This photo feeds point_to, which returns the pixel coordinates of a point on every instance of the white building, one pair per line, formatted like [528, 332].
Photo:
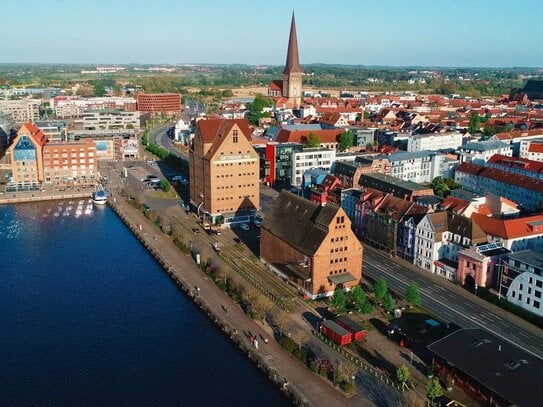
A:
[108, 119]
[421, 166]
[532, 149]
[434, 141]
[23, 111]
[438, 239]
[71, 107]
[480, 152]
[522, 280]
[310, 158]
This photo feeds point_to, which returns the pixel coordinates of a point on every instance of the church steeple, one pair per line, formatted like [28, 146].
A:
[293, 62]
[292, 74]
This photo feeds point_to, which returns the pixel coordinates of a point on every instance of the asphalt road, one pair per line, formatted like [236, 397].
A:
[443, 299]
[439, 296]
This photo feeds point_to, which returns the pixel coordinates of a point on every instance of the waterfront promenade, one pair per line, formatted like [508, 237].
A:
[298, 382]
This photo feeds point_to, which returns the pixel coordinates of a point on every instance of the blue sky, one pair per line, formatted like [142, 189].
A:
[476, 33]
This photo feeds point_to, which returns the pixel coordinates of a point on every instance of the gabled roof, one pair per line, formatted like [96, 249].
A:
[211, 129]
[276, 85]
[393, 207]
[510, 228]
[455, 205]
[35, 133]
[459, 225]
[299, 222]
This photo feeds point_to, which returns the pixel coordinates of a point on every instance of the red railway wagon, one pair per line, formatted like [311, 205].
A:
[336, 333]
[358, 333]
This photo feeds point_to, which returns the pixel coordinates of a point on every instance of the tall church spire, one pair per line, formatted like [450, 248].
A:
[293, 62]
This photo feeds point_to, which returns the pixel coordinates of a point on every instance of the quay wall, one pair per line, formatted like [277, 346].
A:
[279, 378]
[10, 198]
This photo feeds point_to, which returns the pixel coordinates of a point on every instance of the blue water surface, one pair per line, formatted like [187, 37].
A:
[88, 318]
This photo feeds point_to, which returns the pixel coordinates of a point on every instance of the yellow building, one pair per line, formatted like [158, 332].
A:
[223, 172]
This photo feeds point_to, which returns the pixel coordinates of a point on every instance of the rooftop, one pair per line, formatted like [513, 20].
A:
[502, 368]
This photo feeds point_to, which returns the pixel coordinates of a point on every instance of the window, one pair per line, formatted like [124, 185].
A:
[235, 136]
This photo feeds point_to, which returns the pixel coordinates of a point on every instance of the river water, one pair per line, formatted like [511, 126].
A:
[88, 318]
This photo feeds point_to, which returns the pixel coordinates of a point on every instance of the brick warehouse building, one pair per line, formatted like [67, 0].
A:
[312, 245]
[167, 103]
[224, 171]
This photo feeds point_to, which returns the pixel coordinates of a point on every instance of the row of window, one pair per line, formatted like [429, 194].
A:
[340, 260]
[332, 272]
[339, 249]
[339, 239]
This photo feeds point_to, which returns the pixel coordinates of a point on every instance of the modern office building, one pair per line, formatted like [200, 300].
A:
[156, 103]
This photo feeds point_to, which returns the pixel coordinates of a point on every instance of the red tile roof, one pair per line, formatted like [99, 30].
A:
[455, 205]
[522, 163]
[210, 129]
[506, 177]
[35, 133]
[509, 228]
[299, 136]
[535, 148]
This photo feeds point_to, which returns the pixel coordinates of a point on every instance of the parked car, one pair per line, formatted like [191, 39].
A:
[257, 223]
[244, 226]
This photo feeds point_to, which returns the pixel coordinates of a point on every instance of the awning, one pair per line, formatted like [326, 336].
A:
[341, 278]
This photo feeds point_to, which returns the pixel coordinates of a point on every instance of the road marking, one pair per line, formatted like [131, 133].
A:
[470, 318]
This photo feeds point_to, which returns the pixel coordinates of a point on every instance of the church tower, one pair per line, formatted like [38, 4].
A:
[292, 75]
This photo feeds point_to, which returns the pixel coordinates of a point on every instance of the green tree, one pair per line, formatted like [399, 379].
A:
[357, 297]
[474, 123]
[99, 89]
[403, 376]
[165, 185]
[339, 300]
[412, 294]
[345, 140]
[433, 389]
[312, 141]
[440, 187]
[257, 106]
[367, 308]
[388, 302]
[380, 289]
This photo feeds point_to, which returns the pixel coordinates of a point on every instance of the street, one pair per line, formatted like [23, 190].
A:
[452, 303]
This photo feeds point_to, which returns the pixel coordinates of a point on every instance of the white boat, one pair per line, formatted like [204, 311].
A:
[99, 197]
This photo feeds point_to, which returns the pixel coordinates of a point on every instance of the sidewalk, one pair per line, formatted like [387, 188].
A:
[296, 379]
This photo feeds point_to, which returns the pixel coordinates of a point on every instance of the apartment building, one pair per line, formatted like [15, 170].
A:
[73, 163]
[521, 280]
[479, 152]
[23, 110]
[527, 191]
[435, 141]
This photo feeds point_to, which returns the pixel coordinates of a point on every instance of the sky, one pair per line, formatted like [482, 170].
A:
[447, 33]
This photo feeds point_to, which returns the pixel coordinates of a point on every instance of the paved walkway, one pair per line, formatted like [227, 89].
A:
[315, 391]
